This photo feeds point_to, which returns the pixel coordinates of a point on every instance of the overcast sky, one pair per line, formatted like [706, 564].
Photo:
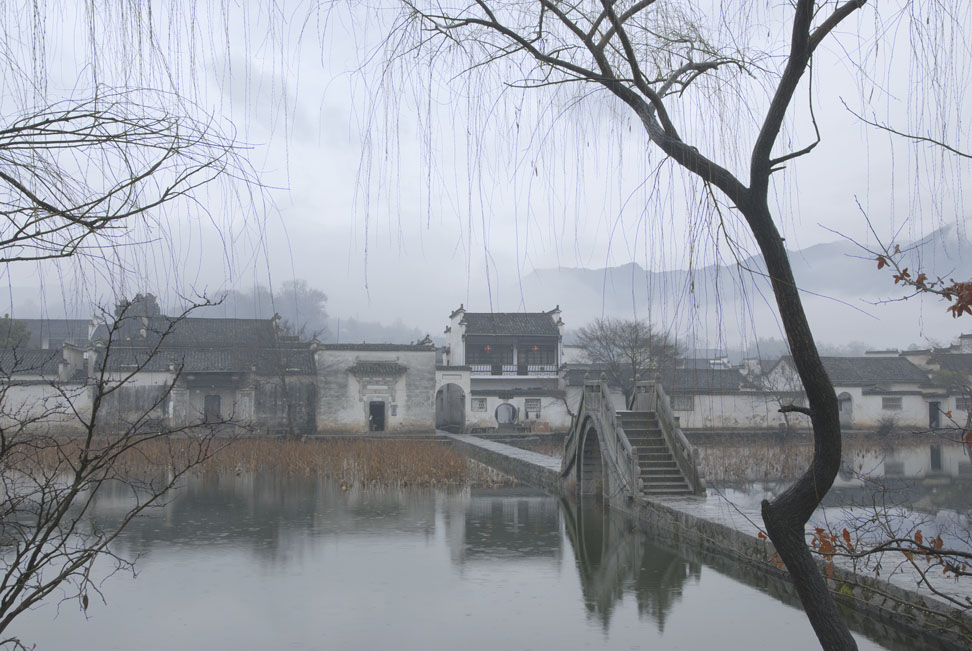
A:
[404, 195]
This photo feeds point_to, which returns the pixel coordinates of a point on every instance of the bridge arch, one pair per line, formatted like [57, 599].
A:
[590, 469]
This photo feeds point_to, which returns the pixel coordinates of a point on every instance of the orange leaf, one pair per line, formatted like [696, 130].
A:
[846, 536]
[761, 535]
[830, 570]
[918, 537]
[882, 263]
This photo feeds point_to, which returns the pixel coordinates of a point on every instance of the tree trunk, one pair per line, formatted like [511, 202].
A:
[786, 516]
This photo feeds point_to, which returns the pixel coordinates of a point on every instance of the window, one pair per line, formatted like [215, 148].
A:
[479, 404]
[683, 402]
[891, 403]
[537, 353]
[394, 410]
[532, 407]
[963, 403]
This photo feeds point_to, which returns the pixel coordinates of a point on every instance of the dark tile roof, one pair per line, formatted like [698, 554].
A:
[863, 371]
[30, 361]
[265, 361]
[702, 380]
[537, 392]
[957, 362]
[377, 369]
[531, 324]
[379, 347]
[575, 374]
[192, 332]
[56, 331]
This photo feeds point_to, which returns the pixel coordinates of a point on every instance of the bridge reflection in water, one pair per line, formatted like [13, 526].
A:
[614, 557]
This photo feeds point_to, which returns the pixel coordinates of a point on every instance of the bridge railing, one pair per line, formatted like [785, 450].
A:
[570, 443]
[651, 396]
[616, 449]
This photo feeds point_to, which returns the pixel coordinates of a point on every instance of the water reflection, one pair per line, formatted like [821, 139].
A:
[510, 524]
[614, 556]
[278, 561]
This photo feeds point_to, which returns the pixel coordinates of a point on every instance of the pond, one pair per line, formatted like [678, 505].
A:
[277, 562]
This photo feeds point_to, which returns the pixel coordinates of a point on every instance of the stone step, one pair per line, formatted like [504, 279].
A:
[663, 475]
[644, 457]
[663, 478]
[657, 463]
[652, 450]
[651, 490]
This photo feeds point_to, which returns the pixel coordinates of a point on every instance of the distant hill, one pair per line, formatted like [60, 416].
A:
[845, 295]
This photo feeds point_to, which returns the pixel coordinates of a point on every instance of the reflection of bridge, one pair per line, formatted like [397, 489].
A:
[613, 555]
[640, 451]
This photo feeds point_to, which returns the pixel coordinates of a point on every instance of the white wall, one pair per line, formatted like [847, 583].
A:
[343, 399]
[554, 415]
[46, 404]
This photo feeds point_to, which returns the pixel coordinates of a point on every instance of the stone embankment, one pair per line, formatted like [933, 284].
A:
[899, 599]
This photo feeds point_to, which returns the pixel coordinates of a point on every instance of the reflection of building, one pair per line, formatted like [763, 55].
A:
[505, 370]
[512, 524]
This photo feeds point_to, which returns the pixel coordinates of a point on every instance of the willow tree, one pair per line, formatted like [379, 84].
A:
[663, 60]
[92, 167]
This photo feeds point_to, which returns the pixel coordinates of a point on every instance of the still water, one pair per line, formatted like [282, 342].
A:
[274, 562]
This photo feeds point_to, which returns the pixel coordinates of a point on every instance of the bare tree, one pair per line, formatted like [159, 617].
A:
[656, 58]
[628, 350]
[83, 175]
[78, 176]
[61, 445]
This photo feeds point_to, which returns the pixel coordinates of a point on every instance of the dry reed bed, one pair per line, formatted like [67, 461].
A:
[391, 462]
[771, 460]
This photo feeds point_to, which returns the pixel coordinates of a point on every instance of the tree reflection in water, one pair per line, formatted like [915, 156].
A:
[614, 556]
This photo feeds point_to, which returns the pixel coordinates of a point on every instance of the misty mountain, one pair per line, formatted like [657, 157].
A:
[846, 296]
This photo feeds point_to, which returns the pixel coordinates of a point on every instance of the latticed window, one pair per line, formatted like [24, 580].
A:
[479, 404]
[891, 403]
[532, 407]
[683, 402]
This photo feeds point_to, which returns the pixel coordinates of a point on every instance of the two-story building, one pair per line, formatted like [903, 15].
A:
[501, 370]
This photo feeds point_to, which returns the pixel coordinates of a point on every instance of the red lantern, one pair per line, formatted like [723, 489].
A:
[535, 348]
[488, 348]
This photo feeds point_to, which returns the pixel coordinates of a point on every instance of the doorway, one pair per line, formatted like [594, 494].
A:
[934, 415]
[376, 416]
[211, 409]
[506, 414]
[450, 408]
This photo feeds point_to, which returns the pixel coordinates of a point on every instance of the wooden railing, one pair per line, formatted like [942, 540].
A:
[651, 396]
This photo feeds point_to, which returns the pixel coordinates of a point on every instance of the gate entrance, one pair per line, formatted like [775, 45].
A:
[376, 416]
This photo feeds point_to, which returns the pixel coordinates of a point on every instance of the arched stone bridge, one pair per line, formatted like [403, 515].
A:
[636, 452]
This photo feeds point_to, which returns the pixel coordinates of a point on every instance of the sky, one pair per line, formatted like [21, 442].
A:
[403, 185]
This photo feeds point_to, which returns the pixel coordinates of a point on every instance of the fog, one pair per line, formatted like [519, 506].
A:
[402, 187]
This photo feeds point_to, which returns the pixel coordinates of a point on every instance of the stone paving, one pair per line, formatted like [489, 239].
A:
[543, 460]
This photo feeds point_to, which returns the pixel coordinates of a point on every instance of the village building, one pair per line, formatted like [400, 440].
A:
[52, 334]
[883, 390]
[181, 372]
[44, 386]
[501, 370]
[375, 387]
[718, 397]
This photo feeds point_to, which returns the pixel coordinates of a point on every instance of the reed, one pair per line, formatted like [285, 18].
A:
[389, 462]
